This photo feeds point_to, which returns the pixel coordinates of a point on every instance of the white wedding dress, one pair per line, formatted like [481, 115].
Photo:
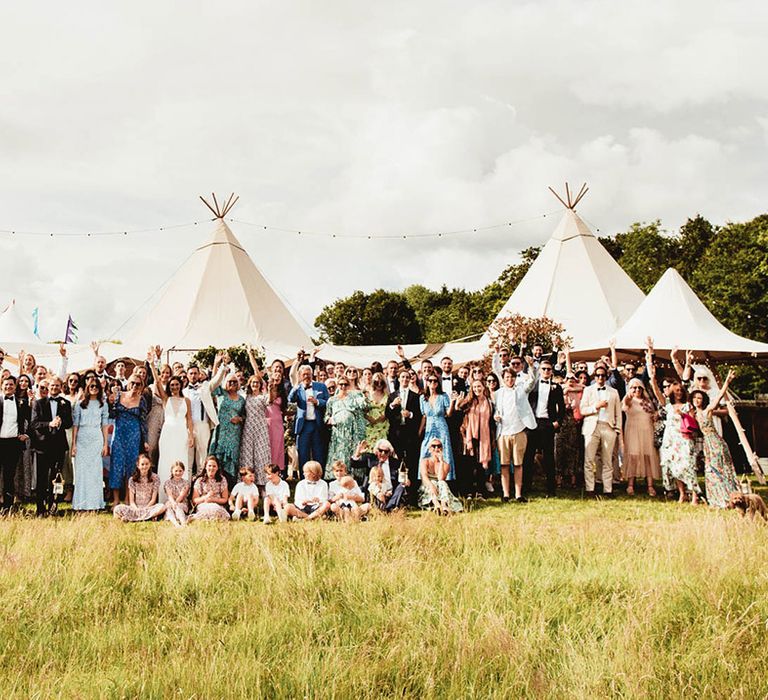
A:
[173, 446]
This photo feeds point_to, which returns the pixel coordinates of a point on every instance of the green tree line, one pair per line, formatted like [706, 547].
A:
[727, 267]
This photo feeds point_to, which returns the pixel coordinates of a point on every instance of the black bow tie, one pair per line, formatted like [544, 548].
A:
[8, 398]
[601, 388]
[545, 381]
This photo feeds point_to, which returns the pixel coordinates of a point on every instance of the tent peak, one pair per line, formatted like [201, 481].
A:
[220, 210]
[570, 200]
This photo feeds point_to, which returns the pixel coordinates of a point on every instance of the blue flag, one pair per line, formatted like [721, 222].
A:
[36, 320]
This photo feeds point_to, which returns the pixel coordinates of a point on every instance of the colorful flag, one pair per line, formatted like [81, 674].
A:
[36, 320]
[70, 336]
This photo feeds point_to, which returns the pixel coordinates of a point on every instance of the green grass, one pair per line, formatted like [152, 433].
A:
[559, 598]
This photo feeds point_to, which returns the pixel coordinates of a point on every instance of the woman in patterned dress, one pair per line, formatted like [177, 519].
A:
[435, 408]
[254, 448]
[568, 439]
[719, 474]
[226, 440]
[211, 493]
[26, 468]
[376, 404]
[129, 409]
[143, 492]
[156, 415]
[90, 444]
[344, 413]
[678, 462]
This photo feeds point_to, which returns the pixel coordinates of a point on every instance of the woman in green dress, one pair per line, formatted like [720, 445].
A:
[226, 440]
[377, 424]
[344, 414]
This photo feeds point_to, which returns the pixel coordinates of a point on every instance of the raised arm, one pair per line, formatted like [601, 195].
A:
[252, 360]
[688, 369]
[654, 385]
[155, 375]
[723, 391]
[676, 361]
[218, 371]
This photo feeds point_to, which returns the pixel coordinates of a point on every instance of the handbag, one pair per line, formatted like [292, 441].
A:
[689, 426]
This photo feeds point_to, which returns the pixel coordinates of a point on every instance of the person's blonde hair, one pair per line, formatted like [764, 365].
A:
[378, 472]
[338, 464]
[314, 468]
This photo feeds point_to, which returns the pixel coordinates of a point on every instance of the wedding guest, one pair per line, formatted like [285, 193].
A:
[478, 431]
[143, 491]
[90, 444]
[276, 495]
[130, 436]
[310, 399]
[14, 419]
[226, 440]
[211, 493]
[311, 498]
[641, 459]
[404, 415]
[176, 491]
[345, 415]
[244, 497]
[204, 415]
[434, 491]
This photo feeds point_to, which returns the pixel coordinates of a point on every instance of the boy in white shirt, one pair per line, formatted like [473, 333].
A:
[276, 494]
[311, 498]
[245, 495]
[346, 498]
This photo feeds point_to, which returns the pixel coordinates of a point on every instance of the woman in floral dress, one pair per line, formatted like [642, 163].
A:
[344, 413]
[678, 461]
[226, 440]
[377, 424]
[211, 493]
[143, 492]
[435, 408]
[568, 439]
[254, 448]
[719, 474]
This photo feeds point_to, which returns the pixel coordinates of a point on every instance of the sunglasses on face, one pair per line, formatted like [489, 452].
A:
[134, 384]
[546, 369]
[383, 451]
[600, 376]
[341, 385]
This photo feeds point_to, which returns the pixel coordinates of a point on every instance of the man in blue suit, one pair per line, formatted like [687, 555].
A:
[310, 399]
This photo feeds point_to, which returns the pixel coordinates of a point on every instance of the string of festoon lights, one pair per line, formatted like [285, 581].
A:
[14, 233]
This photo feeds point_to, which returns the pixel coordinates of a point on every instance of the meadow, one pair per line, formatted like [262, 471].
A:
[555, 599]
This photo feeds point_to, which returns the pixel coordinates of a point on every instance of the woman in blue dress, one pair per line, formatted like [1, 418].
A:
[90, 425]
[130, 410]
[226, 440]
[435, 408]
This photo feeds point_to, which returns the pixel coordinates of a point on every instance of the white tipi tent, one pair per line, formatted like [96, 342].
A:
[576, 282]
[15, 333]
[674, 316]
[219, 297]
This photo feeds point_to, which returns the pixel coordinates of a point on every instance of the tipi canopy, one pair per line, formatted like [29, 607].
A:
[576, 282]
[15, 333]
[674, 316]
[219, 297]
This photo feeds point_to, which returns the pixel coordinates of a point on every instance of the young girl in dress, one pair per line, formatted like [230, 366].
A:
[176, 491]
[211, 493]
[244, 498]
[143, 491]
[276, 495]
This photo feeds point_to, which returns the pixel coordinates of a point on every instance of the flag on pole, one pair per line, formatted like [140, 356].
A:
[70, 336]
[36, 320]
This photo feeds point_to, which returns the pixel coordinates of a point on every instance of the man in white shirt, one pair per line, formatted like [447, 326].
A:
[311, 498]
[14, 419]
[601, 408]
[513, 416]
[203, 410]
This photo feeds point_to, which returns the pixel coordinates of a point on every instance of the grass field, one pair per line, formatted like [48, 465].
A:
[558, 598]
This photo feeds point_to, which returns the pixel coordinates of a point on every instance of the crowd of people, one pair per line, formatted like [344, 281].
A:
[182, 443]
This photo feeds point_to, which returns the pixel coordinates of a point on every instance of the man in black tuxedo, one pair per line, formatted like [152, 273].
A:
[14, 419]
[452, 385]
[362, 461]
[404, 415]
[51, 417]
[546, 399]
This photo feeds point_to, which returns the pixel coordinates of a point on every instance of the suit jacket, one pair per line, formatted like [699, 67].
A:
[522, 387]
[45, 438]
[555, 402]
[368, 461]
[298, 396]
[22, 412]
[397, 431]
[206, 394]
[591, 413]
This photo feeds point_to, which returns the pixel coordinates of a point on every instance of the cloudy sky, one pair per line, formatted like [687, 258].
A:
[359, 118]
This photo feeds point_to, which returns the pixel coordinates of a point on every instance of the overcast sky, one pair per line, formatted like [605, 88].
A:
[355, 118]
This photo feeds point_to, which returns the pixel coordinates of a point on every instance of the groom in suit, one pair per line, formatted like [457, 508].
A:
[51, 417]
[548, 404]
[14, 419]
[601, 408]
[310, 399]
[404, 415]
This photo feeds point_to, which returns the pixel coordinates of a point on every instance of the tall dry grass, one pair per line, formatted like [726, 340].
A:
[554, 599]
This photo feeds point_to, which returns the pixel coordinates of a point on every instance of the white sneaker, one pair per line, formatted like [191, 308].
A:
[267, 519]
[236, 514]
[251, 516]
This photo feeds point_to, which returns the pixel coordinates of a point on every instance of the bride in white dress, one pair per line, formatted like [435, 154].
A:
[176, 435]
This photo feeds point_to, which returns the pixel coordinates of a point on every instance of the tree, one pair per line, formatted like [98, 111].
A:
[378, 318]
[646, 253]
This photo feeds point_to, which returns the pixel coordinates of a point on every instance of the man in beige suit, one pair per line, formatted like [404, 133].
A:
[204, 414]
[601, 408]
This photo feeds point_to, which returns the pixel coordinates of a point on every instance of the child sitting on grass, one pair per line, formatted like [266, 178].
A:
[276, 494]
[346, 498]
[245, 495]
[377, 490]
[143, 492]
[176, 492]
[310, 501]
